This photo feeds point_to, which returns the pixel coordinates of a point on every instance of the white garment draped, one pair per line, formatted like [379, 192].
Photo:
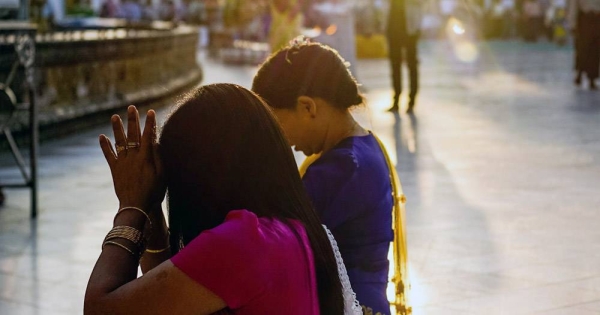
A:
[351, 306]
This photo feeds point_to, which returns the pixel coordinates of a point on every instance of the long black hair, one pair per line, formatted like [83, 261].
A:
[307, 69]
[222, 149]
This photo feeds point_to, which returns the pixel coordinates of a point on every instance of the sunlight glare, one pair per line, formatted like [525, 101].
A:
[458, 29]
[466, 51]
[331, 30]
[312, 32]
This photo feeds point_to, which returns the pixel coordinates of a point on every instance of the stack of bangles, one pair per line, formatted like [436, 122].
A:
[131, 234]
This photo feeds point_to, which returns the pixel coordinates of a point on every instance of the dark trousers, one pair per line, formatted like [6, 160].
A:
[404, 48]
[587, 44]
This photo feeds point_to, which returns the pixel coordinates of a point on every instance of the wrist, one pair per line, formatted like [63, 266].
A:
[132, 218]
[135, 204]
[158, 238]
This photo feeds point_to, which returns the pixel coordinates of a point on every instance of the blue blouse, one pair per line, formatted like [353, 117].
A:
[350, 188]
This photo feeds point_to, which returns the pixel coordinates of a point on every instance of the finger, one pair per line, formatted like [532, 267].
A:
[119, 132]
[149, 136]
[133, 125]
[107, 149]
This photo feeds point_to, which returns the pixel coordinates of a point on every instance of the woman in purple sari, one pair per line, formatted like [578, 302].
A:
[311, 90]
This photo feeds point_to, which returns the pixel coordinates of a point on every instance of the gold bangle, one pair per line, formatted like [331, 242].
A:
[136, 209]
[126, 232]
[157, 251]
[120, 245]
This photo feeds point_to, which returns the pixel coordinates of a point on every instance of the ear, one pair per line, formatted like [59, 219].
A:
[307, 105]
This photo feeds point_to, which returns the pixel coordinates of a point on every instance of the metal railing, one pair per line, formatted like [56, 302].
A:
[22, 37]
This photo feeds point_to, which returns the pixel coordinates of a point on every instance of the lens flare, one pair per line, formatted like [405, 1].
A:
[458, 29]
[462, 39]
[332, 29]
[312, 32]
[466, 52]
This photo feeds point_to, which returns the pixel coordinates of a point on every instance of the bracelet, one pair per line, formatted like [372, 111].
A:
[157, 251]
[136, 209]
[122, 246]
[126, 232]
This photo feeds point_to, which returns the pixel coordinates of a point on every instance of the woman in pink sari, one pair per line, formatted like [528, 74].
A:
[243, 237]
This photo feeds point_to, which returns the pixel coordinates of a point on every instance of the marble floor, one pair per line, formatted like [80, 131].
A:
[500, 165]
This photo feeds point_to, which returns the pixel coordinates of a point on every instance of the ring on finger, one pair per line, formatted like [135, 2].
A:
[133, 145]
[120, 148]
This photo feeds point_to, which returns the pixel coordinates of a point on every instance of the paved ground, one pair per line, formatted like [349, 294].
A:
[500, 166]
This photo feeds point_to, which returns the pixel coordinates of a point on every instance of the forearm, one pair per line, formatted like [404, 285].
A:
[115, 266]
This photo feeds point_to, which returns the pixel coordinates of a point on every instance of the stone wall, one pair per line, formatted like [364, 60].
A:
[83, 73]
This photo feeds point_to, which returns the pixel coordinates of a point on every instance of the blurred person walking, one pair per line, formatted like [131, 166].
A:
[286, 22]
[584, 20]
[403, 31]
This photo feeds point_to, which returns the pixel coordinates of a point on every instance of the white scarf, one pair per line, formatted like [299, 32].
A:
[351, 306]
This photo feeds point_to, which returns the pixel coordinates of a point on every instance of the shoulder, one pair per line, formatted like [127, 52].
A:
[342, 158]
[241, 227]
[229, 259]
[333, 171]
[236, 238]
[338, 165]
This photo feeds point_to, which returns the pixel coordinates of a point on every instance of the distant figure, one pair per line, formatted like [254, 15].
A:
[533, 20]
[447, 9]
[109, 9]
[167, 11]
[338, 33]
[403, 31]
[286, 21]
[496, 19]
[556, 19]
[149, 12]
[131, 10]
[509, 19]
[584, 20]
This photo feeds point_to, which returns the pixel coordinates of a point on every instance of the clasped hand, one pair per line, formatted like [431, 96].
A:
[134, 161]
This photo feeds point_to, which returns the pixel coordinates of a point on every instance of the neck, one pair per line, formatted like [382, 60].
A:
[341, 128]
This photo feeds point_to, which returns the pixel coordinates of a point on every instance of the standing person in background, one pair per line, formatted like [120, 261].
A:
[584, 20]
[509, 19]
[149, 12]
[403, 31]
[110, 9]
[286, 21]
[167, 10]
[496, 19]
[533, 20]
[131, 10]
